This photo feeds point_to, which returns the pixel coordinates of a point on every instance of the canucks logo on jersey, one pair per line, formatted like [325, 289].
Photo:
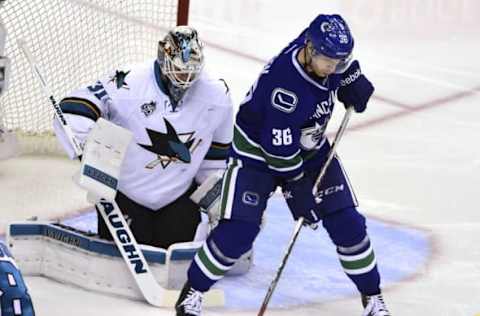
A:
[311, 136]
[169, 147]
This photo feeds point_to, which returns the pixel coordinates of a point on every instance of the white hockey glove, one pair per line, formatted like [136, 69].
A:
[208, 194]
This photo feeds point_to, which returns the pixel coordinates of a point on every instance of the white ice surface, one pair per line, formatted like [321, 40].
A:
[413, 157]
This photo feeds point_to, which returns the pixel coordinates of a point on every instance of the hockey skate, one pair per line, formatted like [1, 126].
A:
[190, 302]
[374, 306]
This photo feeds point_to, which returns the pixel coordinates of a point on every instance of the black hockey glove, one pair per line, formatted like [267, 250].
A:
[355, 89]
[300, 200]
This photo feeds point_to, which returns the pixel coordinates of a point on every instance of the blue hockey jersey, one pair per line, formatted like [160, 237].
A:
[281, 122]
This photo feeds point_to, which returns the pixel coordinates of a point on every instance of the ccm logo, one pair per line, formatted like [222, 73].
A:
[328, 191]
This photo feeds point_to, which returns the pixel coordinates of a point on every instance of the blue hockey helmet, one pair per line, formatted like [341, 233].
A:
[330, 36]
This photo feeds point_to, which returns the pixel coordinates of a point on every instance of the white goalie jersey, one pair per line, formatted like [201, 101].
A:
[172, 145]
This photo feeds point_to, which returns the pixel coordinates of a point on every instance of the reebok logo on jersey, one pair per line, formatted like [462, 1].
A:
[351, 78]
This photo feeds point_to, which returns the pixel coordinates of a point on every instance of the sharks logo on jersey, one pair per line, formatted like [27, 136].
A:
[119, 79]
[170, 147]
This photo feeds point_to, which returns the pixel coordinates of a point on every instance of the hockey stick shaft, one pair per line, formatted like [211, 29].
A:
[57, 110]
[332, 152]
[300, 221]
[274, 283]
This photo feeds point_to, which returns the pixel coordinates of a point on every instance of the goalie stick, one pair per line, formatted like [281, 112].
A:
[153, 292]
[300, 221]
[58, 111]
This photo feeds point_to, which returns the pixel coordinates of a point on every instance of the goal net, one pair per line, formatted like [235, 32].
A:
[74, 42]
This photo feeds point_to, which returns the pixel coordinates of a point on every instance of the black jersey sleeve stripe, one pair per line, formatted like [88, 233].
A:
[82, 107]
[217, 151]
[220, 145]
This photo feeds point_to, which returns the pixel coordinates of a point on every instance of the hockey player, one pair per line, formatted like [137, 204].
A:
[182, 123]
[279, 141]
[14, 297]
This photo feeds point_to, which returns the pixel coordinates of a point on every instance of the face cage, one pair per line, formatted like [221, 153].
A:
[341, 66]
[182, 75]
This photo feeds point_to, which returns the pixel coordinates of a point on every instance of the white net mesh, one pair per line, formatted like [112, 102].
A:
[74, 42]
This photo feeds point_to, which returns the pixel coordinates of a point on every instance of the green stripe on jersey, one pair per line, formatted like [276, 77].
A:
[245, 146]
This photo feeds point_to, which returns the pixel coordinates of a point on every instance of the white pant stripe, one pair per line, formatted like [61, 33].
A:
[231, 188]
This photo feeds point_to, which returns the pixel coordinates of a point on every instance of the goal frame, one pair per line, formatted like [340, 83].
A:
[33, 131]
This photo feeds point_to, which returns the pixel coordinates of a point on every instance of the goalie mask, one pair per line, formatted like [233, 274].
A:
[180, 56]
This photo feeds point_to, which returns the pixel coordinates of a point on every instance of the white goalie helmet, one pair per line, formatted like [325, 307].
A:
[180, 55]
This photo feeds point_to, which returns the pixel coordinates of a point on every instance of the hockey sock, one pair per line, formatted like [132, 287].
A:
[360, 265]
[347, 230]
[225, 244]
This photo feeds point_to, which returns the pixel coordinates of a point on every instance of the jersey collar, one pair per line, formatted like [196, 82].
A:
[158, 79]
[304, 74]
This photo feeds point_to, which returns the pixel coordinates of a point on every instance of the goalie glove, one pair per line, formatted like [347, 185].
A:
[208, 195]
